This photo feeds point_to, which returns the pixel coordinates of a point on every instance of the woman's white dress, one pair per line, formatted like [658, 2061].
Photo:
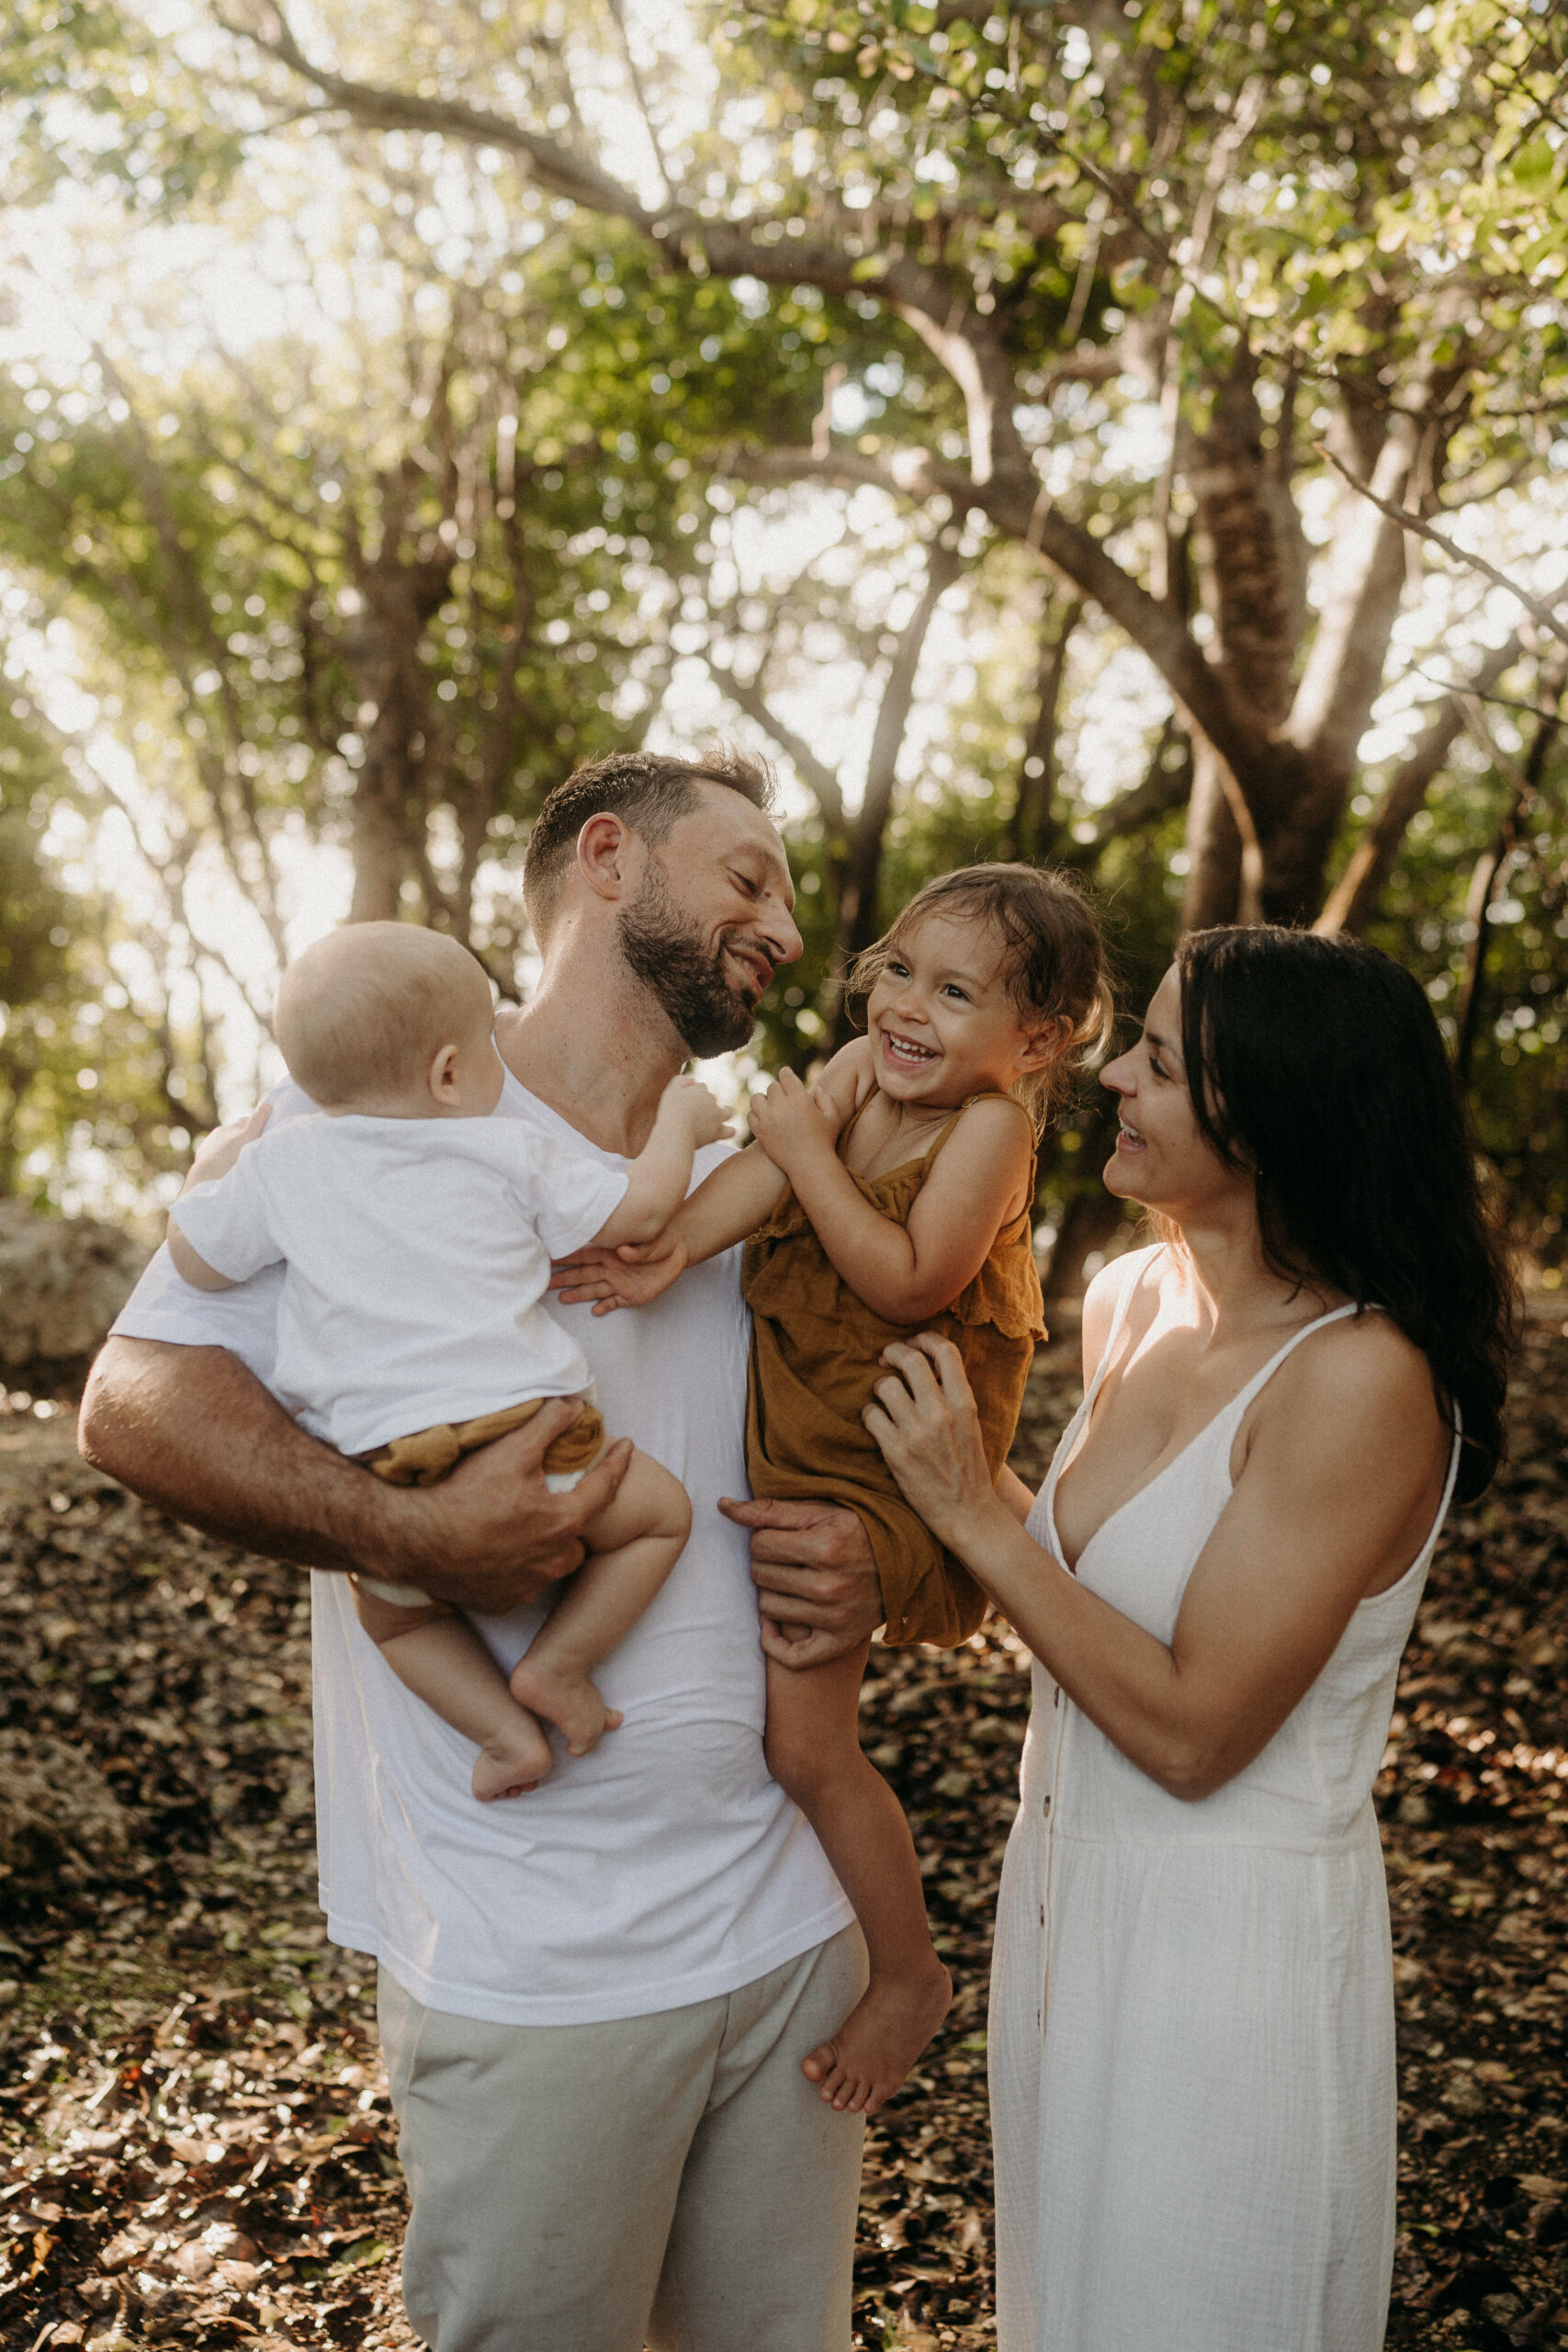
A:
[1191, 2032]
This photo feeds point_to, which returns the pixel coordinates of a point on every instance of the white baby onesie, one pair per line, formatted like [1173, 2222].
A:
[416, 1253]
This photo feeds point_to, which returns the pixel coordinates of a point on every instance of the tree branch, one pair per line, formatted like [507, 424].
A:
[1353, 902]
[1017, 508]
[555, 167]
[819, 779]
[1538, 610]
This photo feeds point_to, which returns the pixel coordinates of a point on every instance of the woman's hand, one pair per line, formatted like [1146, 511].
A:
[792, 1126]
[923, 1418]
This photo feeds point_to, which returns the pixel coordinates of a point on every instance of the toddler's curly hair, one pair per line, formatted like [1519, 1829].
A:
[1054, 960]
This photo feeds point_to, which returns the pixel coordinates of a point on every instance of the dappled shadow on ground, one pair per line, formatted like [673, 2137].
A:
[194, 2142]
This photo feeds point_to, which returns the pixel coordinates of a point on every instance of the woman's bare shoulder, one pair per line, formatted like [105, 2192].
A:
[1359, 1385]
[1135, 1269]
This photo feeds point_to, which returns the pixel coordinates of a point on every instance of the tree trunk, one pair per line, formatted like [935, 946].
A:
[1032, 832]
[1354, 897]
[859, 901]
[380, 857]
[1490, 866]
[1214, 849]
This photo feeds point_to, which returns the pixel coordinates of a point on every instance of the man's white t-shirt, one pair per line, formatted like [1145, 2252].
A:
[416, 1253]
[666, 1867]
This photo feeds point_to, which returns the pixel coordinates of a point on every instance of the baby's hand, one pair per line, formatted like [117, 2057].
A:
[687, 1099]
[790, 1124]
[628, 1276]
[216, 1152]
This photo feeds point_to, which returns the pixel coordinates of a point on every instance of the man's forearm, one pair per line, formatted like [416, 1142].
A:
[190, 1429]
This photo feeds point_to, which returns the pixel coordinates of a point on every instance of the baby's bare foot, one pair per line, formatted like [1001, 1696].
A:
[513, 1760]
[880, 2040]
[565, 1697]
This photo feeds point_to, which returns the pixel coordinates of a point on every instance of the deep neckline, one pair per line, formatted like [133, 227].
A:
[1258, 1380]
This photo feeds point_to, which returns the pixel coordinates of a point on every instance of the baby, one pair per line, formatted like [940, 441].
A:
[892, 1198]
[417, 1233]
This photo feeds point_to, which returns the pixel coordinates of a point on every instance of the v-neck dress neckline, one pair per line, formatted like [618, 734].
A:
[1077, 1429]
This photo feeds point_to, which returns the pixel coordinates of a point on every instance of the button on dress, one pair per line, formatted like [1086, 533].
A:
[1192, 2028]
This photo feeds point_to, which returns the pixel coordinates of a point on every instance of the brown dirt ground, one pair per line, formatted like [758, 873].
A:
[195, 2141]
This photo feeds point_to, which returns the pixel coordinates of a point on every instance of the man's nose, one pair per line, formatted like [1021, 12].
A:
[780, 936]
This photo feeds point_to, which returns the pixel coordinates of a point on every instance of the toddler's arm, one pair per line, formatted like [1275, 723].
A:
[221, 1206]
[688, 1117]
[728, 1205]
[742, 1195]
[903, 1273]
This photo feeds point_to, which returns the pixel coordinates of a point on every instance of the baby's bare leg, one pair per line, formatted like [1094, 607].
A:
[437, 1656]
[814, 1752]
[632, 1546]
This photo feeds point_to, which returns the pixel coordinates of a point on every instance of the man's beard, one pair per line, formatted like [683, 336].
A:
[672, 960]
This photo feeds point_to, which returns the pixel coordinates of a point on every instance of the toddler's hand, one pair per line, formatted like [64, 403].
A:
[687, 1099]
[605, 1279]
[789, 1123]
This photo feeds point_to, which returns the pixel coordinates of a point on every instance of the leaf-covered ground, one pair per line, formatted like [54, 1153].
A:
[195, 2141]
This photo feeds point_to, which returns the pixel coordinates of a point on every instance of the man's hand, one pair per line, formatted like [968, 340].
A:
[193, 1430]
[216, 1152]
[491, 1536]
[813, 1569]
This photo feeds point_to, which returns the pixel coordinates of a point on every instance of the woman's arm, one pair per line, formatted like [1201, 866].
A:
[1340, 1483]
[1013, 1495]
[903, 1273]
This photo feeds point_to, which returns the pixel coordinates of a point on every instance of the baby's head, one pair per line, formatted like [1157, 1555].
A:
[387, 1019]
[992, 977]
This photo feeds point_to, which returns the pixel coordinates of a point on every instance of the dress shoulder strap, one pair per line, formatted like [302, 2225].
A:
[990, 1094]
[852, 1122]
[1134, 1264]
[1260, 1380]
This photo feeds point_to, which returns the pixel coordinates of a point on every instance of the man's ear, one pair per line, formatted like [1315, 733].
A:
[610, 856]
[443, 1079]
[1045, 1045]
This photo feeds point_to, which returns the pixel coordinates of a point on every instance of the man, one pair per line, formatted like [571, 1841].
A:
[594, 2001]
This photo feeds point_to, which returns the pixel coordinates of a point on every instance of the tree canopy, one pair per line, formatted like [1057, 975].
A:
[1063, 430]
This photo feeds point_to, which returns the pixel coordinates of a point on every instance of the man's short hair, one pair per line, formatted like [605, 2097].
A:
[649, 791]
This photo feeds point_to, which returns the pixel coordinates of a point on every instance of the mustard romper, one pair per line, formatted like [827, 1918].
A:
[816, 1349]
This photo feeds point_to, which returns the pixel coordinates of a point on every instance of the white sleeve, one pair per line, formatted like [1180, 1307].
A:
[570, 1194]
[226, 1221]
[244, 1320]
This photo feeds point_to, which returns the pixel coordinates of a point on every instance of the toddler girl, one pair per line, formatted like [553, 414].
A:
[893, 1197]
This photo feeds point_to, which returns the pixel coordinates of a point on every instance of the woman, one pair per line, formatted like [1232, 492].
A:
[1192, 2011]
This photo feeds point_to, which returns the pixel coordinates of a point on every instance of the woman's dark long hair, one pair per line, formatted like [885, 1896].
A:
[1318, 1063]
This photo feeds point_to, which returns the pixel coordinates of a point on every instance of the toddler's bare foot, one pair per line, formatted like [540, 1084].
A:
[565, 1698]
[866, 2060]
[513, 1760]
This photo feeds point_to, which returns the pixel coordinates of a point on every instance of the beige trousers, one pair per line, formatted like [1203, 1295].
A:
[671, 2180]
